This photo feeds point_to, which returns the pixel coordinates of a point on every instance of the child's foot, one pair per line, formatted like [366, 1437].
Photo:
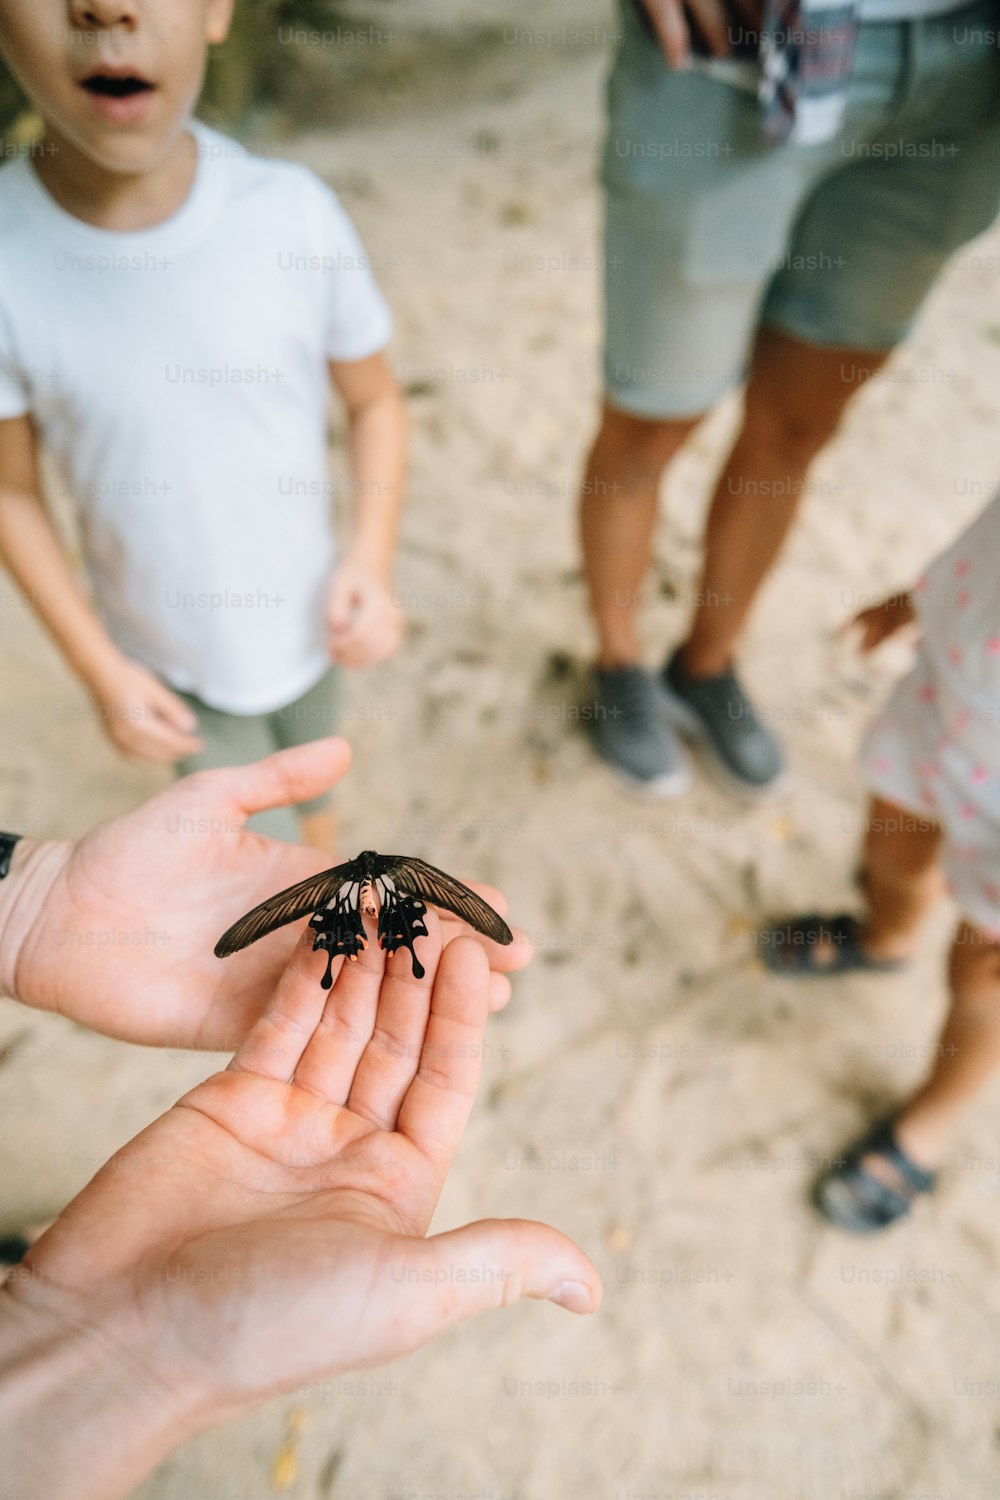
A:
[631, 735]
[874, 1185]
[812, 946]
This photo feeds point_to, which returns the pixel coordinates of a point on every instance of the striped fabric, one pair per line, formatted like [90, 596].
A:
[805, 58]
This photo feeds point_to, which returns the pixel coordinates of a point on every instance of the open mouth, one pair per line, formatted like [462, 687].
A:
[109, 86]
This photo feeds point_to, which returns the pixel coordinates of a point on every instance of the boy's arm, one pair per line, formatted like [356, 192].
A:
[136, 711]
[365, 622]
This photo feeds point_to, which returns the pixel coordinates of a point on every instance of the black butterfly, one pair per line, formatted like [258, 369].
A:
[388, 887]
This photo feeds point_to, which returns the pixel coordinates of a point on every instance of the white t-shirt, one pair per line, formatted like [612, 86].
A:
[178, 375]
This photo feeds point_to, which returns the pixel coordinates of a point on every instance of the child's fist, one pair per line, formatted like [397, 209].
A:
[365, 624]
[880, 621]
[142, 716]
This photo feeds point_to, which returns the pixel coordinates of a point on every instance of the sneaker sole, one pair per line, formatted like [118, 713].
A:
[670, 784]
[661, 788]
[686, 722]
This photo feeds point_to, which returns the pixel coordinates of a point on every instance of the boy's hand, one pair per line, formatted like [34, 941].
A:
[365, 623]
[142, 716]
[880, 621]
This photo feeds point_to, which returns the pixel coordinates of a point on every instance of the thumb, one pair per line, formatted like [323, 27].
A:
[284, 778]
[495, 1263]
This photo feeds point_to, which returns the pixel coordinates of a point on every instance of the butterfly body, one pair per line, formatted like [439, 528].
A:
[394, 890]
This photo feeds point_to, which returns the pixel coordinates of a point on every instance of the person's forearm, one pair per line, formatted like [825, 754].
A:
[377, 447]
[38, 564]
[23, 893]
[82, 1417]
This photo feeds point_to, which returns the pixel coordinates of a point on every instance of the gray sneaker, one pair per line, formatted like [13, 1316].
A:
[716, 712]
[631, 735]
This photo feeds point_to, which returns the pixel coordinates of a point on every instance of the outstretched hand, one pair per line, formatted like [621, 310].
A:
[879, 621]
[117, 930]
[270, 1229]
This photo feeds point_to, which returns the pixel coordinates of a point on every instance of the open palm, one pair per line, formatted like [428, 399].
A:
[270, 1228]
[123, 940]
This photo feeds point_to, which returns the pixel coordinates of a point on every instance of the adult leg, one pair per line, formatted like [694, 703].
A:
[618, 508]
[796, 394]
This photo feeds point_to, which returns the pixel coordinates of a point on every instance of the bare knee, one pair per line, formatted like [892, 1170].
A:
[787, 427]
[636, 450]
[796, 393]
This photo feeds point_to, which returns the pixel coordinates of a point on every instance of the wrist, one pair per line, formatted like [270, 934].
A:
[98, 666]
[82, 1414]
[371, 559]
[24, 892]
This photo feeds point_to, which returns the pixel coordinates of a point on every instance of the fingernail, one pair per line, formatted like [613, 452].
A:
[574, 1296]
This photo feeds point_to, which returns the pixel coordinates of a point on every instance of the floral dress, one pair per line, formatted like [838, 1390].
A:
[934, 750]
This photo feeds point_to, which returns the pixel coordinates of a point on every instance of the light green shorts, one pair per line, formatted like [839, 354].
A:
[237, 739]
[711, 233]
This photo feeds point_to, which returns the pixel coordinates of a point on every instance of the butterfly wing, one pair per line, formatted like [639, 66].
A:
[340, 929]
[418, 878]
[297, 901]
[400, 923]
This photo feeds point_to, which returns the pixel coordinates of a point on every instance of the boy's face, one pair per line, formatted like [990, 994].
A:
[116, 79]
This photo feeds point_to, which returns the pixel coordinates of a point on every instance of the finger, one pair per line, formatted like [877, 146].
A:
[141, 751]
[493, 1263]
[347, 1024]
[286, 777]
[670, 26]
[353, 656]
[341, 604]
[171, 709]
[276, 1042]
[853, 622]
[389, 1063]
[500, 992]
[437, 1104]
[361, 625]
[713, 23]
[158, 741]
[752, 12]
[504, 958]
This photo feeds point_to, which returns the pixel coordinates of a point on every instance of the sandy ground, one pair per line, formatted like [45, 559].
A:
[649, 1089]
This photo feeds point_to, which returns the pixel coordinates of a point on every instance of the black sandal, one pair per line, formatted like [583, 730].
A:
[792, 948]
[853, 1198]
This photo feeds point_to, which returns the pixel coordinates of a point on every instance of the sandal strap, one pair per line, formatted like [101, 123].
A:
[876, 1203]
[882, 1142]
[881, 1203]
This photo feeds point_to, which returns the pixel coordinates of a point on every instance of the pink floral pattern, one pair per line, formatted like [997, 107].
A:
[935, 748]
